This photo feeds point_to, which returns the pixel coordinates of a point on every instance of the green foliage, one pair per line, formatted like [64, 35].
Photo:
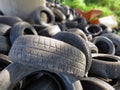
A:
[109, 7]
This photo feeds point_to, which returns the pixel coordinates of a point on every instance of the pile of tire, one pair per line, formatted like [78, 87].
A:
[63, 52]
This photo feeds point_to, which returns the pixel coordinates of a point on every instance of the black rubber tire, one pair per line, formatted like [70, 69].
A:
[19, 29]
[104, 44]
[16, 72]
[116, 41]
[78, 42]
[53, 81]
[95, 30]
[37, 18]
[9, 20]
[82, 22]
[48, 54]
[4, 61]
[4, 45]
[38, 27]
[92, 83]
[59, 16]
[62, 26]
[4, 29]
[71, 24]
[106, 66]
[105, 29]
[49, 31]
[92, 46]
[78, 32]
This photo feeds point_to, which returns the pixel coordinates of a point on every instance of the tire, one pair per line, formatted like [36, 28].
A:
[78, 32]
[92, 46]
[59, 16]
[104, 44]
[78, 42]
[4, 61]
[9, 20]
[116, 41]
[106, 66]
[49, 31]
[15, 72]
[38, 27]
[95, 30]
[53, 81]
[4, 45]
[62, 26]
[4, 29]
[37, 18]
[82, 22]
[19, 29]
[48, 54]
[91, 83]
[105, 29]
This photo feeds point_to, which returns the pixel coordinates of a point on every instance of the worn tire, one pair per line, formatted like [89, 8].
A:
[116, 41]
[106, 66]
[4, 29]
[78, 42]
[78, 32]
[95, 30]
[91, 83]
[4, 61]
[92, 46]
[104, 44]
[37, 18]
[19, 29]
[59, 16]
[105, 29]
[48, 54]
[4, 45]
[53, 81]
[49, 31]
[9, 20]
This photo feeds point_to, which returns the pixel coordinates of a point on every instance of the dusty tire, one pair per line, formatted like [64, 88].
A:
[78, 32]
[53, 81]
[49, 31]
[91, 83]
[4, 45]
[48, 54]
[78, 42]
[105, 29]
[19, 29]
[104, 44]
[15, 72]
[116, 41]
[9, 20]
[4, 61]
[95, 30]
[107, 66]
[37, 18]
[4, 29]
[59, 16]
[92, 46]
